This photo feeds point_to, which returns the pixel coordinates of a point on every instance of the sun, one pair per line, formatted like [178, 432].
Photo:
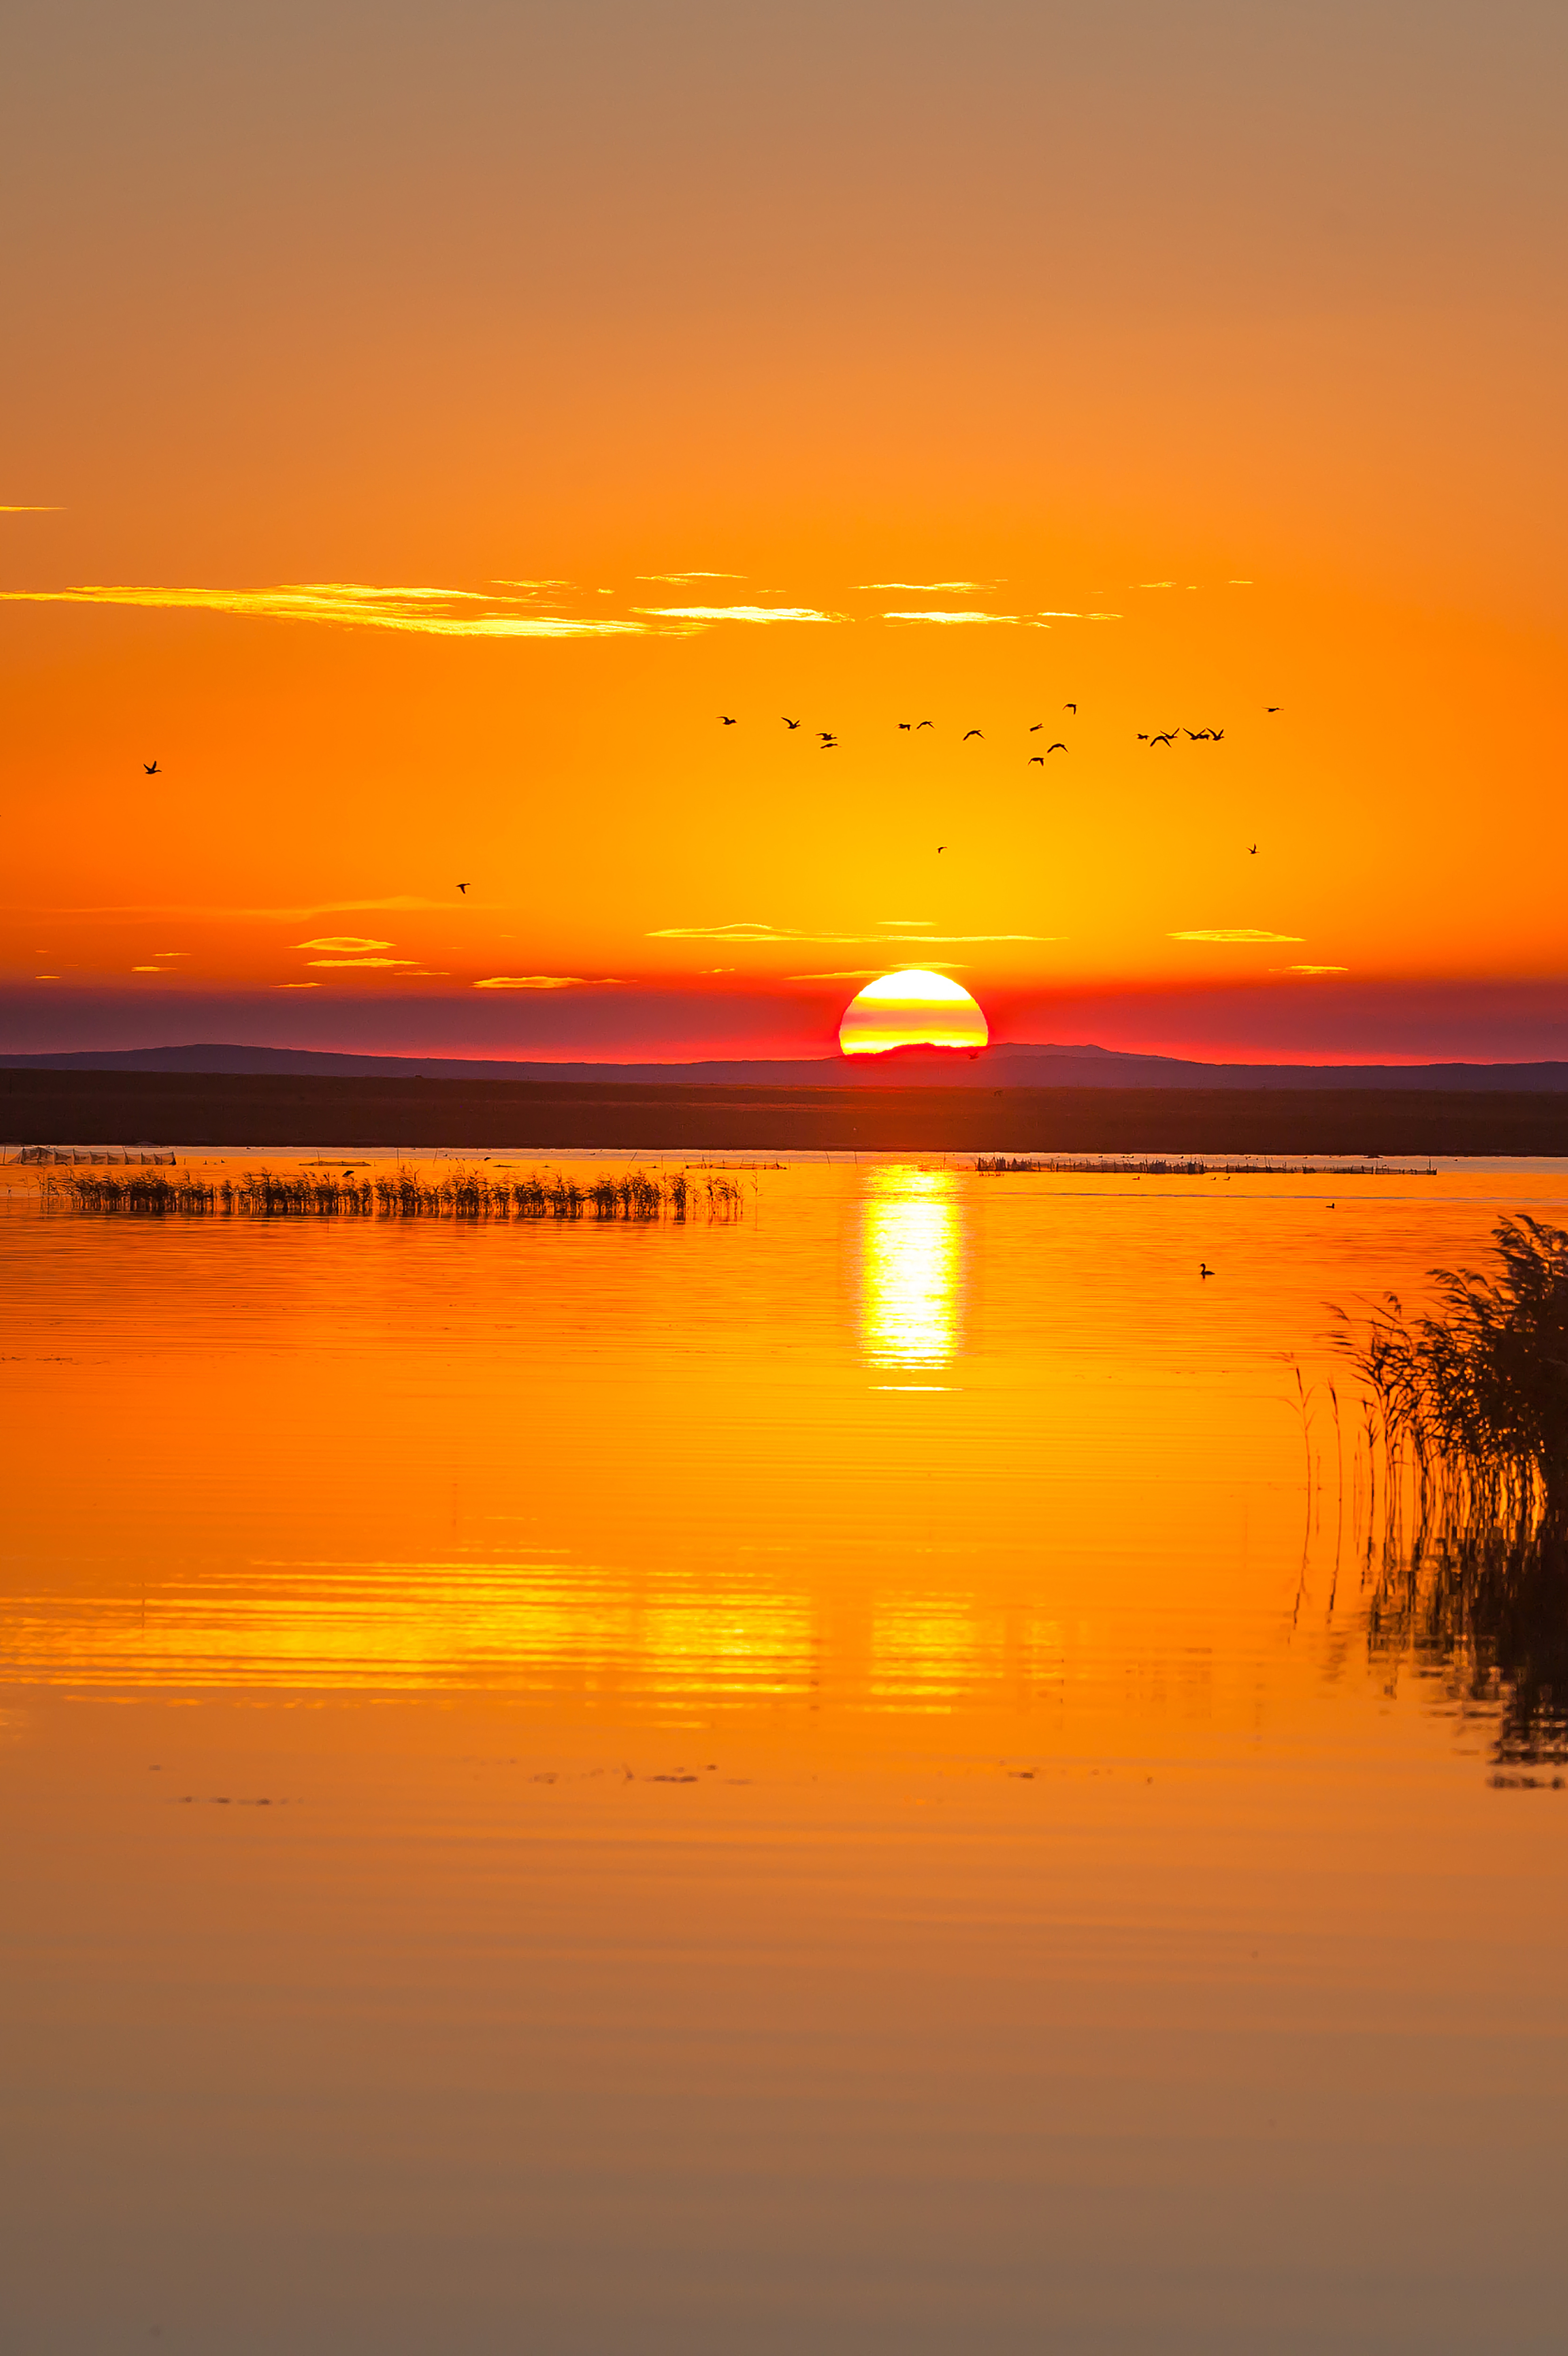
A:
[912, 1009]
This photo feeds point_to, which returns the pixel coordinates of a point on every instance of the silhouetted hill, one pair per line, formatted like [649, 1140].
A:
[1006, 1066]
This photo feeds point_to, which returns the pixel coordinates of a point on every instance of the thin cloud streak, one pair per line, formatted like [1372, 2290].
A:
[550, 982]
[1234, 935]
[743, 934]
[966, 613]
[347, 603]
[737, 614]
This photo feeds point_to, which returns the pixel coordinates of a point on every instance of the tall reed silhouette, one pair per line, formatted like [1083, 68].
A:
[405, 1193]
[1470, 1404]
[1464, 1447]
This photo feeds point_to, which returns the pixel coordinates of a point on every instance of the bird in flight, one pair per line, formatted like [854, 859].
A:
[1196, 736]
[1058, 747]
[1073, 708]
[1033, 758]
[940, 849]
[828, 745]
[1216, 735]
[788, 721]
[922, 724]
[827, 736]
[1273, 707]
[1168, 738]
[151, 767]
[462, 887]
[972, 732]
[1251, 851]
[903, 723]
[1035, 726]
[724, 716]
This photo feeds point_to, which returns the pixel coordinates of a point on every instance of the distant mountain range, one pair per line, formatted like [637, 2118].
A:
[902, 1068]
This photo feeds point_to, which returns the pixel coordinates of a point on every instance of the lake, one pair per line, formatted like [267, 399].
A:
[837, 1778]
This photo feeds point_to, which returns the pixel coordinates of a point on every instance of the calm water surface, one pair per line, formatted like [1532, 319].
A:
[823, 1782]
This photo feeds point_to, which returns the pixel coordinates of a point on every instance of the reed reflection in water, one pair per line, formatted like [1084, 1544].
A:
[911, 1269]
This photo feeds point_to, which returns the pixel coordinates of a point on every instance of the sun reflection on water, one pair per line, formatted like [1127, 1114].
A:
[911, 1262]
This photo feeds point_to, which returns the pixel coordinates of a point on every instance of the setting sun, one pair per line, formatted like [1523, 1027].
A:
[912, 1009]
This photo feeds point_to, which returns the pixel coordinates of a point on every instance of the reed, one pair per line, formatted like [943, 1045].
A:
[405, 1193]
[1469, 1406]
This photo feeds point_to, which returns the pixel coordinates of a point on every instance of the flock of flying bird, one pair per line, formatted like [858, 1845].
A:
[827, 741]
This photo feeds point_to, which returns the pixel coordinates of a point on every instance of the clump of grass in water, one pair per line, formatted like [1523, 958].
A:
[1471, 1405]
[406, 1194]
[1461, 1470]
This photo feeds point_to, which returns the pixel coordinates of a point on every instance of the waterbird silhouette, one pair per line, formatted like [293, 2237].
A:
[923, 723]
[151, 767]
[903, 723]
[940, 849]
[1204, 1269]
[1035, 726]
[1215, 735]
[787, 721]
[1058, 747]
[1073, 708]
[462, 887]
[724, 716]
[1196, 736]
[1169, 737]
[1273, 707]
[1033, 758]
[1251, 851]
[972, 732]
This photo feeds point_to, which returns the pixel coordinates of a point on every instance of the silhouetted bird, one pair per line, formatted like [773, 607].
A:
[940, 849]
[1058, 747]
[1251, 851]
[1035, 726]
[1196, 736]
[1273, 707]
[1204, 1269]
[724, 716]
[903, 723]
[1168, 738]
[827, 736]
[1073, 708]
[151, 767]
[1033, 758]
[972, 732]
[788, 721]
[922, 724]
[462, 887]
[828, 745]
[1215, 734]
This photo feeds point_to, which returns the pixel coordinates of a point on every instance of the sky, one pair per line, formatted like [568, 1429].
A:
[422, 424]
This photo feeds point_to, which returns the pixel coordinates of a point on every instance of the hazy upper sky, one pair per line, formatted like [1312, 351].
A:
[442, 403]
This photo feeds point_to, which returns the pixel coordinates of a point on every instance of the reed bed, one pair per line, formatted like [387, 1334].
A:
[406, 1194]
[1102, 1165]
[1465, 1411]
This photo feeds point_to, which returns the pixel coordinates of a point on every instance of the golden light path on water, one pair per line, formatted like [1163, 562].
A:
[912, 1264]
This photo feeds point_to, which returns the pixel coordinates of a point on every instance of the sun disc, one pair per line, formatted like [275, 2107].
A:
[912, 1009]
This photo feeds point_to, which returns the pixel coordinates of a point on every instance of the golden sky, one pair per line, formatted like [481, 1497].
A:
[422, 424]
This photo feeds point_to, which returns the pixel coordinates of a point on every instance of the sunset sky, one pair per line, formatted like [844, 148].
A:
[422, 424]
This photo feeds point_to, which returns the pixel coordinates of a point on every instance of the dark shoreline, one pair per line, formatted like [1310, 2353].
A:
[205, 1110]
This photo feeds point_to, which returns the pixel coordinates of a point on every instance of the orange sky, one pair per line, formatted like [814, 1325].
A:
[526, 307]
